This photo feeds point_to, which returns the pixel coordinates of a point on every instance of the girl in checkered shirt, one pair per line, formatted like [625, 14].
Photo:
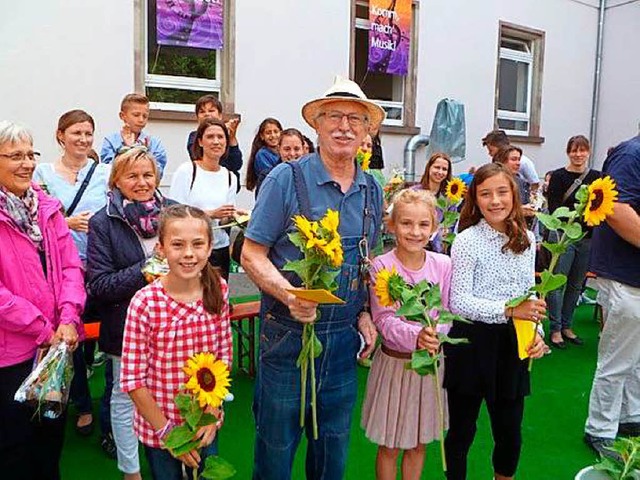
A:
[181, 314]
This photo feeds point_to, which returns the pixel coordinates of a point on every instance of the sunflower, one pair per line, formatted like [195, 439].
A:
[305, 227]
[208, 379]
[602, 195]
[334, 251]
[456, 189]
[331, 221]
[389, 286]
[364, 159]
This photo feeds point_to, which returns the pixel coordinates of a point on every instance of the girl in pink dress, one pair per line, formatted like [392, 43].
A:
[399, 411]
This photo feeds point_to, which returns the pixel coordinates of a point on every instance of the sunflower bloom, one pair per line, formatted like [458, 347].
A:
[364, 159]
[456, 189]
[305, 227]
[602, 195]
[389, 286]
[331, 221]
[208, 379]
[313, 242]
[334, 251]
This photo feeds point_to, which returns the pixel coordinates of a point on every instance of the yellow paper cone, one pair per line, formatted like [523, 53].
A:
[526, 333]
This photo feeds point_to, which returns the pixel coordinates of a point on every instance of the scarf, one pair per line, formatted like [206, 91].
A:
[24, 212]
[142, 217]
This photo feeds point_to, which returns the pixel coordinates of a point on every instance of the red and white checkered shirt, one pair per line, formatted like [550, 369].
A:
[160, 335]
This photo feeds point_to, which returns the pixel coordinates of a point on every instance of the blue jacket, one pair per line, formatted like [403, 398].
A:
[114, 273]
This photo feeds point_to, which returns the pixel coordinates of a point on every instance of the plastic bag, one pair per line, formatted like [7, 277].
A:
[47, 386]
[155, 267]
[448, 133]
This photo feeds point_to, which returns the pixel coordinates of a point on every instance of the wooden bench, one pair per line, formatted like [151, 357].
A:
[246, 313]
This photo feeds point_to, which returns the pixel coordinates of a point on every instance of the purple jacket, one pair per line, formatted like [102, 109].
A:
[32, 305]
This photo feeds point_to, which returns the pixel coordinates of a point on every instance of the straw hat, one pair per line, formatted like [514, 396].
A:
[344, 89]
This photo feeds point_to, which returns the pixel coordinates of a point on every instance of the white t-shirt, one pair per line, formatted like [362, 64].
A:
[210, 190]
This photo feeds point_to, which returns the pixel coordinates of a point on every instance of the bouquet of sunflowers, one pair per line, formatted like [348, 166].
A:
[207, 387]
[594, 204]
[321, 246]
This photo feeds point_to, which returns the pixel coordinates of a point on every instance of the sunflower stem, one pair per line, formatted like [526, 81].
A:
[436, 380]
[312, 361]
[303, 376]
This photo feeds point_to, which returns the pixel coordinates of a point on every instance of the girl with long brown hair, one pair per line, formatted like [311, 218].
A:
[493, 262]
[177, 316]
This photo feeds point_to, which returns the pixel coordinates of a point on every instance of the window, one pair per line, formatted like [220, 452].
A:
[174, 77]
[519, 80]
[394, 93]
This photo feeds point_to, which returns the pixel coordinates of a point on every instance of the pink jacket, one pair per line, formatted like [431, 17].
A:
[32, 305]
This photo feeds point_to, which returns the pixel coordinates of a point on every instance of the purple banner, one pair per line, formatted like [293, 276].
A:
[389, 36]
[190, 23]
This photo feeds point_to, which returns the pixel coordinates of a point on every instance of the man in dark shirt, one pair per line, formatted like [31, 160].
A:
[614, 405]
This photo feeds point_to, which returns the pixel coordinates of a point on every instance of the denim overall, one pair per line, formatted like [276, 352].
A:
[277, 391]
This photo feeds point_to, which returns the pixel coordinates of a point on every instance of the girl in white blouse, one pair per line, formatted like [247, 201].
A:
[493, 261]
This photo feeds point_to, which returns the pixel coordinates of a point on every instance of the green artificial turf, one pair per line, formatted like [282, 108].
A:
[553, 426]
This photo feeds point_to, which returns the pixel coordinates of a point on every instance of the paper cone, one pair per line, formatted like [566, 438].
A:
[526, 333]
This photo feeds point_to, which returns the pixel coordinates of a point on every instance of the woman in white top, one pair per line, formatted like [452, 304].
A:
[205, 184]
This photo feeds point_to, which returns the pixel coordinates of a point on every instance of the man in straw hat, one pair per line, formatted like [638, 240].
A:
[317, 182]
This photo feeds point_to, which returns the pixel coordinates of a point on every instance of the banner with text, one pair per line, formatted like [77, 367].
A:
[190, 23]
[389, 36]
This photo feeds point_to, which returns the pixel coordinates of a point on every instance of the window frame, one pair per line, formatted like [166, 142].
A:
[535, 58]
[407, 124]
[223, 84]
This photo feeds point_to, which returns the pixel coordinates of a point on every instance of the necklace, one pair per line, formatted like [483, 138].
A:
[70, 173]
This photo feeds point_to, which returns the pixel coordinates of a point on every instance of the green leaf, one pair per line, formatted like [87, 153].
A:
[186, 448]
[433, 297]
[562, 212]
[297, 240]
[423, 363]
[514, 302]
[582, 195]
[304, 353]
[421, 287]
[327, 279]
[444, 338]
[573, 230]
[441, 203]
[317, 345]
[217, 468]
[183, 402]
[179, 436]
[555, 248]
[300, 267]
[193, 416]
[410, 308]
[449, 238]
[449, 218]
[549, 221]
[551, 281]
[207, 419]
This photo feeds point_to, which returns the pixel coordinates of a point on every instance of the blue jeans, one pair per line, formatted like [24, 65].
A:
[574, 263]
[276, 403]
[164, 466]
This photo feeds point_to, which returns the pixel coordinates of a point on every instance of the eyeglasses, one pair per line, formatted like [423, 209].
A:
[21, 157]
[354, 119]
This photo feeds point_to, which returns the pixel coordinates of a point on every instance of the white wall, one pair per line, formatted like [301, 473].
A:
[77, 54]
[619, 115]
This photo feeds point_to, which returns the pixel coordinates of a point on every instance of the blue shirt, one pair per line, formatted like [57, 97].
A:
[277, 204]
[92, 200]
[265, 160]
[112, 143]
[613, 257]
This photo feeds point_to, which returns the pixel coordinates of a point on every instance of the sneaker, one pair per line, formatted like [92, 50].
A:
[99, 359]
[602, 447]
[108, 445]
[629, 429]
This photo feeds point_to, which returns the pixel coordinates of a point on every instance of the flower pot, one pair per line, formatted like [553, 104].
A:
[590, 473]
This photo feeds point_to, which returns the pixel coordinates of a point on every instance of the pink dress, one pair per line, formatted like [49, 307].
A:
[400, 406]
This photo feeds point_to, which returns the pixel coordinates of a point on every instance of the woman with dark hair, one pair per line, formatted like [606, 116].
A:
[205, 184]
[493, 258]
[290, 148]
[41, 300]
[574, 263]
[436, 176]
[264, 151]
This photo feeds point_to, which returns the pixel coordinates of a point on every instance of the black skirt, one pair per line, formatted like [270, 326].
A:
[488, 365]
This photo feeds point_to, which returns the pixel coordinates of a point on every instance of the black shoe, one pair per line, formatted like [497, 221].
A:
[559, 345]
[85, 430]
[108, 445]
[575, 340]
[601, 447]
[629, 429]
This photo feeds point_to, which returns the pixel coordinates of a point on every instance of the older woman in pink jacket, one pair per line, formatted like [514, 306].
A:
[41, 299]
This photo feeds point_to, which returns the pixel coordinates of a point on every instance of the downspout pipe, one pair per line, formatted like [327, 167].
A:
[595, 100]
[410, 148]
